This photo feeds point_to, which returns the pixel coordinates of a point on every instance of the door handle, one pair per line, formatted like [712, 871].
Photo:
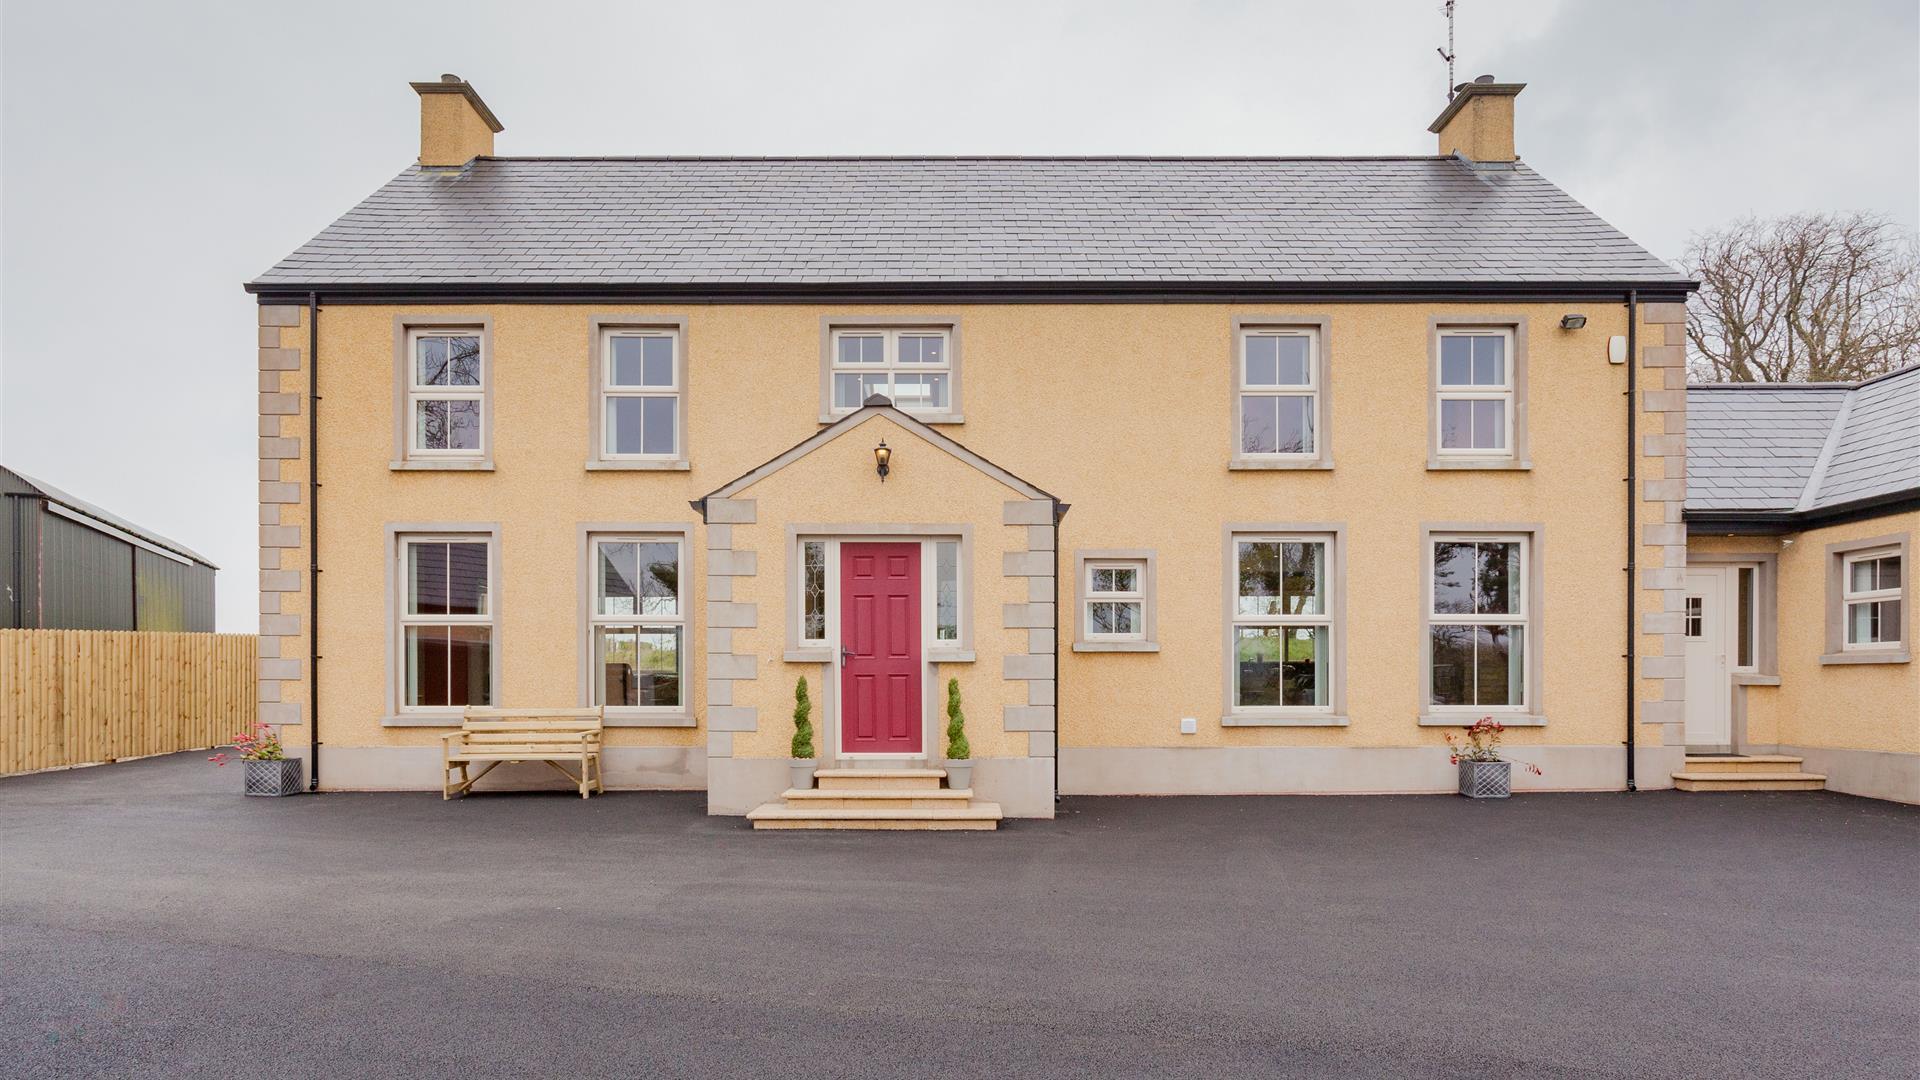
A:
[846, 654]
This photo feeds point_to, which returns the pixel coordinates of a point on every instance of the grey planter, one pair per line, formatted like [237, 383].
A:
[273, 778]
[959, 775]
[802, 773]
[1486, 779]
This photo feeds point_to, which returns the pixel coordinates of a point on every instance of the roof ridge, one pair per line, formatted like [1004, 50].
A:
[1157, 158]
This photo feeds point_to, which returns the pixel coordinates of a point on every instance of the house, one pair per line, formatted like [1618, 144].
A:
[69, 565]
[1195, 475]
[1803, 503]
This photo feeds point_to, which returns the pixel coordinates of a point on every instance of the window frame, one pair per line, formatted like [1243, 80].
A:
[1085, 561]
[1531, 711]
[1334, 712]
[1513, 391]
[398, 536]
[407, 329]
[590, 536]
[602, 329]
[891, 327]
[1840, 555]
[1316, 328]
[1849, 598]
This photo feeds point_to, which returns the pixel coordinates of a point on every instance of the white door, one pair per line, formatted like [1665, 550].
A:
[1709, 693]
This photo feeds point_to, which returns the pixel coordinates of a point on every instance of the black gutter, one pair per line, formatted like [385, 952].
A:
[313, 534]
[986, 292]
[1770, 522]
[1633, 538]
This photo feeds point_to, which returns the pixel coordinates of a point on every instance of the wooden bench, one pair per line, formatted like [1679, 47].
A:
[496, 736]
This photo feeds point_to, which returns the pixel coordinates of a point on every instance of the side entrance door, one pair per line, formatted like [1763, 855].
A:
[880, 661]
[1709, 694]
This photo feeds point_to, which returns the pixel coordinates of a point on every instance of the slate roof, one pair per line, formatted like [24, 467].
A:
[847, 221]
[1807, 448]
[22, 484]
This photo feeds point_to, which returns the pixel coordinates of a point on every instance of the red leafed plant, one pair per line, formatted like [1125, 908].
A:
[259, 743]
[1482, 743]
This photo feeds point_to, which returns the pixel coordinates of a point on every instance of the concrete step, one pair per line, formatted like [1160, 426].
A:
[1750, 763]
[1749, 781]
[851, 798]
[879, 779]
[974, 816]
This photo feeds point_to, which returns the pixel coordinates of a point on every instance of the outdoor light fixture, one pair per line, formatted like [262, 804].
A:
[881, 457]
[1572, 322]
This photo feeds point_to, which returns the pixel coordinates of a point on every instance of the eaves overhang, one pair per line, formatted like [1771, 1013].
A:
[980, 292]
[1765, 522]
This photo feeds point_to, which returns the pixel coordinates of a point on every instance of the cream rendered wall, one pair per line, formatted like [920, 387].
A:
[1121, 410]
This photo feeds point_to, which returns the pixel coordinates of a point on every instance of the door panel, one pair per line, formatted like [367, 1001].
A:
[1709, 693]
[880, 655]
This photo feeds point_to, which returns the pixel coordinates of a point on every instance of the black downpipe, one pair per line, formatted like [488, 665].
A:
[313, 535]
[1633, 539]
[1059, 511]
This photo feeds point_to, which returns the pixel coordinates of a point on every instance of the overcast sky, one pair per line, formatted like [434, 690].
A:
[155, 155]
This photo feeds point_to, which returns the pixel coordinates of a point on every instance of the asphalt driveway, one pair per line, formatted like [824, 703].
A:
[152, 922]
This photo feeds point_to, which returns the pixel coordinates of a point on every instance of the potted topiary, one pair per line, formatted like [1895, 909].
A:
[802, 737]
[1484, 774]
[959, 754]
[269, 771]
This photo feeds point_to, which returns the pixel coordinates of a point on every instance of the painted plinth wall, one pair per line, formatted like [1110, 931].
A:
[1857, 723]
[1124, 412]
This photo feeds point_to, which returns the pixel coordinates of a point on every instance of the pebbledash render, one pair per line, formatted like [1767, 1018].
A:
[1204, 475]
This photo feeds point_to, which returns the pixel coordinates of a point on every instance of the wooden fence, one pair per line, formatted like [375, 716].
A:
[71, 697]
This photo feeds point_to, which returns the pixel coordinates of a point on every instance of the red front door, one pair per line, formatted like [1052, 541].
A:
[880, 649]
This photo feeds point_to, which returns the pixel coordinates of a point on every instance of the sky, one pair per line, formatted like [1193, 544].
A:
[155, 156]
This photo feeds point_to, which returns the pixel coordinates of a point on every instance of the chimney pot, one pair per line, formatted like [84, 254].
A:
[455, 125]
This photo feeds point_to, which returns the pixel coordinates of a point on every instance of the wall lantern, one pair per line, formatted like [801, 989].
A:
[882, 459]
[1572, 322]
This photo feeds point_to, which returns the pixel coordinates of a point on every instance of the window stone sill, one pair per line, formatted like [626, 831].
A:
[950, 656]
[925, 418]
[649, 720]
[1462, 720]
[1116, 646]
[1477, 465]
[638, 466]
[449, 465]
[1890, 656]
[1282, 720]
[816, 655]
[1254, 464]
[1748, 678]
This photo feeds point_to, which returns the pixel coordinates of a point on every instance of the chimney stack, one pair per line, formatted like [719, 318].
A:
[1478, 123]
[455, 125]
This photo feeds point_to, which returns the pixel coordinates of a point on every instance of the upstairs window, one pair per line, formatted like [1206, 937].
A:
[640, 391]
[1474, 391]
[446, 394]
[1279, 394]
[913, 368]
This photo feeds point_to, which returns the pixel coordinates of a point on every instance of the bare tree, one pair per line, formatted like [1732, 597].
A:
[1804, 298]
